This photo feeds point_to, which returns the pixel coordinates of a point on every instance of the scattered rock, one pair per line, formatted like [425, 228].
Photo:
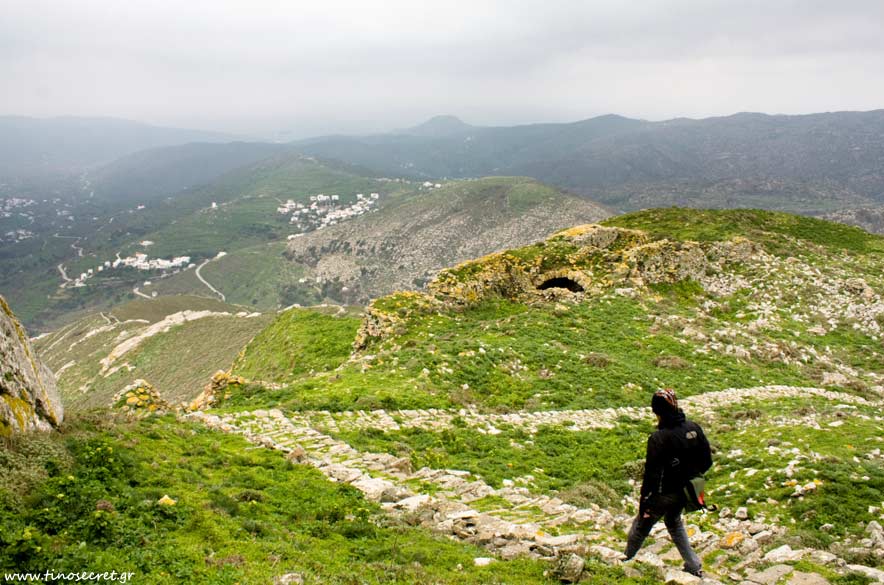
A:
[731, 540]
[799, 578]
[140, 399]
[742, 513]
[675, 577]
[289, 579]
[770, 575]
[166, 501]
[483, 561]
[783, 554]
[871, 573]
[569, 568]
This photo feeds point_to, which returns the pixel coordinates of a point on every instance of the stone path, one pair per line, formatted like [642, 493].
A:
[704, 405]
[513, 520]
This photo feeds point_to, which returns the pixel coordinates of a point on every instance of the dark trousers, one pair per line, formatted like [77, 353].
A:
[668, 507]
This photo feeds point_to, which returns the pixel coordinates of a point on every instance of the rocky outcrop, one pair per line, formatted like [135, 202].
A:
[140, 399]
[28, 396]
[581, 261]
[217, 390]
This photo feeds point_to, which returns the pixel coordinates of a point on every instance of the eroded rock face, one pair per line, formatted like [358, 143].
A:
[29, 399]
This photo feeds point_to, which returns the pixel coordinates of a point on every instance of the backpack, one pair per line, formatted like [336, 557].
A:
[695, 495]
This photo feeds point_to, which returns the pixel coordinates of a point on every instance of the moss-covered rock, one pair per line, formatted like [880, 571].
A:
[28, 395]
[217, 390]
[581, 261]
[140, 399]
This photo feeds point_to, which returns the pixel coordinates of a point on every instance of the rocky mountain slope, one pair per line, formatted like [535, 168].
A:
[870, 218]
[410, 238]
[28, 396]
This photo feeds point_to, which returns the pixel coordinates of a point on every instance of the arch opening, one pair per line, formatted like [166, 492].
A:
[561, 282]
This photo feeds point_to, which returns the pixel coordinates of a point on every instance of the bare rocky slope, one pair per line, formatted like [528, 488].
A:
[869, 218]
[405, 243]
[28, 397]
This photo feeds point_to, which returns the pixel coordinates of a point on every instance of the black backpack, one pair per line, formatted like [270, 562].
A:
[695, 495]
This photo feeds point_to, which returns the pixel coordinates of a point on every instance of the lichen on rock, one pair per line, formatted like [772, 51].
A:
[140, 399]
[217, 390]
[29, 398]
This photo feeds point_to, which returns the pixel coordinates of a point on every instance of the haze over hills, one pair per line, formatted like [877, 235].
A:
[164, 171]
[198, 199]
[831, 157]
[35, 146]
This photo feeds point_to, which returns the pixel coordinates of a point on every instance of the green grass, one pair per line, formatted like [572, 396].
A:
[559, 459]
[757, 225]
[505, 355]
[87, 500]
[178, 362]
[299, 342]
[842, 498]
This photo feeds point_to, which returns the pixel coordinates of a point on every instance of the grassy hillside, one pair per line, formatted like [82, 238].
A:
[415, 235]
[88, 499]
[178, 359]
[299, 343]
[767, 325]
[620, 342]
[183, 224]
[506, 408]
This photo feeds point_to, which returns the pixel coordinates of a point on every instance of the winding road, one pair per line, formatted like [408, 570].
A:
[205, 282]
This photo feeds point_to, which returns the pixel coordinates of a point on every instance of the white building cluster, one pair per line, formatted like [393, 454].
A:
[325, 210]
[7, 206]
[17, 235]
[139, 261]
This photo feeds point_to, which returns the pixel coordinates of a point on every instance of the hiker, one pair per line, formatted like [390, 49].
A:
[677, 451]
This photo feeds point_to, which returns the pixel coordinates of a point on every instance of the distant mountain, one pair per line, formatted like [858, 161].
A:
[30, 146]
[166, 170]
[439, 126]
[826, 156]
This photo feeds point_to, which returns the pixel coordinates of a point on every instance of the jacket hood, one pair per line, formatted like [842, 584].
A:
[671, 419]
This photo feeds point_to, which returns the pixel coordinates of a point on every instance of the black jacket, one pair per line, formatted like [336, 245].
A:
[677, 451]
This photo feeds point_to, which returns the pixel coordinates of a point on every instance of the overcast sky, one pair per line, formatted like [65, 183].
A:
[263, 67]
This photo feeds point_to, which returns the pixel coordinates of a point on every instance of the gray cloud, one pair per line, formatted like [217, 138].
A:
[261, 66]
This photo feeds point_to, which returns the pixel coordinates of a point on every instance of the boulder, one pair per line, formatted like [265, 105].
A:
[29, 398]
[569, 568]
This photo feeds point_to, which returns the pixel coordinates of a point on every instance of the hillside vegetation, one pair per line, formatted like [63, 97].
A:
[489, 428]
[174, 343]
[415, 235]
[511, 396]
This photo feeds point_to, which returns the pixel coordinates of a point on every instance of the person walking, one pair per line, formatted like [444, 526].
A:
[677, 451]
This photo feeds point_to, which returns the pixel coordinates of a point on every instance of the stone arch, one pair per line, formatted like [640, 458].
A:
[563, 282]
